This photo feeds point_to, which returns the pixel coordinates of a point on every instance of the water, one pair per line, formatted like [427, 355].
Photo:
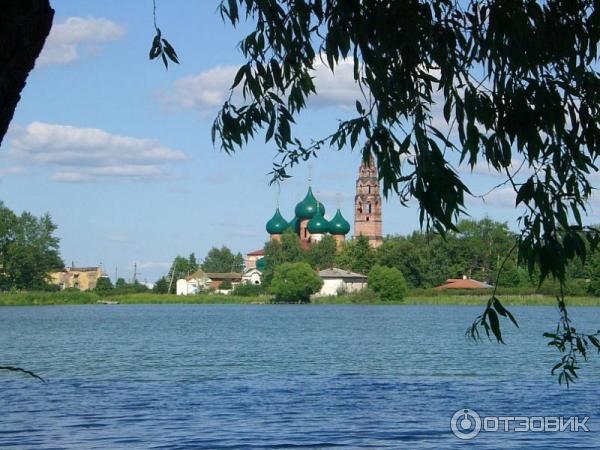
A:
[280, 376]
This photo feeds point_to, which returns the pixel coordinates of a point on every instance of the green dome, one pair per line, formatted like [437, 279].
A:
[339, 225]
[307, 208]
[277, 224]
[318, 224]
[294, 225]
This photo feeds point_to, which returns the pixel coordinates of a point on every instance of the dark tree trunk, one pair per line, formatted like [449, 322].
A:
[24, 26]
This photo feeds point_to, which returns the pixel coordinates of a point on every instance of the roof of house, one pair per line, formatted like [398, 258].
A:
[224, 276]
[462, 283]
[259, 252]
[334, 272]
[197, 275]
[82, 269]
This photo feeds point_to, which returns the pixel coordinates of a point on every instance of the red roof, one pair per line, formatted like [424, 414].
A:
[259, 252]
[460, 283]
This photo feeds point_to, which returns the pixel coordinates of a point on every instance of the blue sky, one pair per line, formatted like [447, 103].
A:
[118, 150]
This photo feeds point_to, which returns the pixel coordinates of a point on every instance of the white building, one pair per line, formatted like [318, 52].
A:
[252, 276]
[336, 281]
[192, 284]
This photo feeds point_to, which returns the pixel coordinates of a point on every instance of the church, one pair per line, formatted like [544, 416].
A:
[310, 224]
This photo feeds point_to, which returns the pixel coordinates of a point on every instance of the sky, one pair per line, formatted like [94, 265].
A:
[118, 150]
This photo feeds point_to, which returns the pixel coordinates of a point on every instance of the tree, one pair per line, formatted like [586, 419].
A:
[28, 250]
[222, 260]
[322, 254]
[294, 282]
[181, 267]
[120, 284]
[402, 253]
[286, 250]
[104, 285]
[357, 255]
[388, 283]
[193, 265]
[161, 286]
[514, 80]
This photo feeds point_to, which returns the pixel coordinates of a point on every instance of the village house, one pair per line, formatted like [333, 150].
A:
[463, 283]
[82, 278]
[336, 281]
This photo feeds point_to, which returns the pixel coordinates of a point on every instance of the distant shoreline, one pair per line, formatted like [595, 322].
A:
[85, 298]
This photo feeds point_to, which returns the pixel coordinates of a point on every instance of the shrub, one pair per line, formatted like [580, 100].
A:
[388, 283]
[225, 285]
[104, 286]
[294, 282]
[247, 289]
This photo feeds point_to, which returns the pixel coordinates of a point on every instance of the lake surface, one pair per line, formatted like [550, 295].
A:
[280, 376]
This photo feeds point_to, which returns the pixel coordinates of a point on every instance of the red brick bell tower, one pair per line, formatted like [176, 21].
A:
[367, 205]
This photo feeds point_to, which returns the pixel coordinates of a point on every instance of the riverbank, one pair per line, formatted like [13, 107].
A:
[83, 298]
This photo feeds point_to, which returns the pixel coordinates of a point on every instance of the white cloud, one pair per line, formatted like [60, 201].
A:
[502, 197]
[87, 154]
[208, 90]
[517, 167]
[67, 39]
[336, 88]
[150, 264]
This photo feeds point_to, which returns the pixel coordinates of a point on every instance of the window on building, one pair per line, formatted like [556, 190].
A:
[369, 207]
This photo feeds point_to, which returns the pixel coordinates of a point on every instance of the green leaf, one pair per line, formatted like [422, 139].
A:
[495, 324]
[503, 311]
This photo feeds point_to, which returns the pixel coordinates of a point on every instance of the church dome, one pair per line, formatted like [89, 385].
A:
[339, 225]
[294, 225]
[277, 224]
[318, 224]
[307, 208]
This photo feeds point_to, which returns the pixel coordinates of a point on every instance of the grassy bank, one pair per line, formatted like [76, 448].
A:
[82, 298]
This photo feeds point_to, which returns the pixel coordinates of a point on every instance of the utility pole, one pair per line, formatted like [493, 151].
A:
[172, 276]
[134, 272]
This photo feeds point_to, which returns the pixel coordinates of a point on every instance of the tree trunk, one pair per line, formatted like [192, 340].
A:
[24, 26]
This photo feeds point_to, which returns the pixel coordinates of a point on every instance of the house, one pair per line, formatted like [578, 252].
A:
[192, 284]
[252, 276]
[338, 280]
[463, 283]
[253, 257]
[216, 279]
[82, 278]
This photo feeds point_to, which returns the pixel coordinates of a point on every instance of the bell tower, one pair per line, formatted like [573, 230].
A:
[367, 204]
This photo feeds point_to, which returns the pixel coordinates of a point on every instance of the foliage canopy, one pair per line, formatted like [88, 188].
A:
[29, 250]
[388, 283]
[294, 282]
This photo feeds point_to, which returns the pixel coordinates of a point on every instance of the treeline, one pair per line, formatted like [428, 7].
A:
[427, 259]
[29, 250]
[217, 260]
